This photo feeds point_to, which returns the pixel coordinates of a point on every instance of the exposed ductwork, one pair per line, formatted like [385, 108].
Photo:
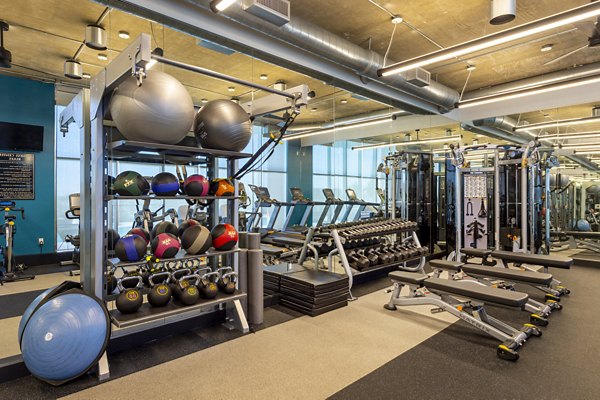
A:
[299, 46]
[501, 128]
[540, 80]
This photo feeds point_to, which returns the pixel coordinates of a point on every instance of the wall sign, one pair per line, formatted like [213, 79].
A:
[17, 173]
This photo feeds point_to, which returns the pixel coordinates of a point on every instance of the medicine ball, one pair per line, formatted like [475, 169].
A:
[130, 183]
[131, 248]
[196, 185]
[186, 224]
[223, 125]
[159, 111]
[221, 187]
[224, 237]
[112, 238]
[165, 184]
[165, 245]
[165, 227]
[141, 232]
[196, 239]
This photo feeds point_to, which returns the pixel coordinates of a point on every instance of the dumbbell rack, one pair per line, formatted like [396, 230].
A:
[339, 239]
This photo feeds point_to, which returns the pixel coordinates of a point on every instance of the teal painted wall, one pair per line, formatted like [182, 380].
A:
[30, 102]
[299, 174]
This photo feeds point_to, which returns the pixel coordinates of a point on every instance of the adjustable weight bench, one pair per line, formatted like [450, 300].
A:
[443, 293]
[481, 273]
[468, 252]
[545, 261]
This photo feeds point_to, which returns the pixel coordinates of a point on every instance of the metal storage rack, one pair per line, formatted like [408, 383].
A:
[87, 111]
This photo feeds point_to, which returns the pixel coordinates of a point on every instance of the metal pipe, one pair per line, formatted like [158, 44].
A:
[241, 31]
[524, 232]
[539, 80]
[497, 198]
[393, 175]
[458, 211]
[218, 75]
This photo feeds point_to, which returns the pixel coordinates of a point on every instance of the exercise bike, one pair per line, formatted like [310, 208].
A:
[10, 271]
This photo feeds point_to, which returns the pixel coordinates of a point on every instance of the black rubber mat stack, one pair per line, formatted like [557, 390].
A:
[314, 292]
[304, 289]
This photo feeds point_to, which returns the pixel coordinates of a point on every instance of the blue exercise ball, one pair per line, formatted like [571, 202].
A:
[30, 309]
[65, 337]
[583, 226]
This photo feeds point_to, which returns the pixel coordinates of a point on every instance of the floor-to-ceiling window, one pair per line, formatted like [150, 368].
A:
[338, 167]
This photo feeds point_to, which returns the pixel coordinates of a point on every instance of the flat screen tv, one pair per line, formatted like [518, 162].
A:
[21, 137]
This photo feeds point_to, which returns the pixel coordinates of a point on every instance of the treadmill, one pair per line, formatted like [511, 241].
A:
[353, 200]
[330, 200]
[263, 200]
[298, 198]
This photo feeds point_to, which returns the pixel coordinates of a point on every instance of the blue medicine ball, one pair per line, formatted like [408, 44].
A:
[65, 337]
[165, 184]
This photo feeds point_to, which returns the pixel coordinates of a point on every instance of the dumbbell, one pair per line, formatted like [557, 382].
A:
[357, 261]
[373, 258]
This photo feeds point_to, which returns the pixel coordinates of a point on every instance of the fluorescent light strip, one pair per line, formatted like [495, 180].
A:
[529, 92]
[573, 121]
[581, 146]
[587, 152]
[408, 143]
[337, 128]
[566, 136]
[221, 5]
[519, 32]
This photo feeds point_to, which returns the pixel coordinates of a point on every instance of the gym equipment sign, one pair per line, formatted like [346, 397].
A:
[17, 176]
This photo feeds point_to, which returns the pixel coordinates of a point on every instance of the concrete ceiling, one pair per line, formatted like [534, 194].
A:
[46, 32]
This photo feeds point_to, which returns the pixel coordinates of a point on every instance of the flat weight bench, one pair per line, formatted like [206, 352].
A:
[484, 254]
[545, 261]
[471, 273]
[425, 290]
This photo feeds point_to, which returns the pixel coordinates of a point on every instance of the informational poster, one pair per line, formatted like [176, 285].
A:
[17, 173]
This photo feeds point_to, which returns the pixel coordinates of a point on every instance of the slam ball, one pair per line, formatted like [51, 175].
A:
[222, 125]
[165, 184]
[159, 111]
[165, 245]
[165, 227]
[224, 237]
[222, 187]
[130, 183]
[196, 239]
[196, 185]
[131, 248]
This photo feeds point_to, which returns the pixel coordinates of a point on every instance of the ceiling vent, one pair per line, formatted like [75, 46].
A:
[418, 77]
[276, 12]
[596, 111]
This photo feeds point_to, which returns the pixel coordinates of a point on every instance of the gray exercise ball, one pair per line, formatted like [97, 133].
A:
[223, 125]
[159, 111]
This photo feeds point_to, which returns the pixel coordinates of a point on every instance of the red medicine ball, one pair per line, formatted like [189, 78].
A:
[165, 245]
[141, 232]
[224, 237]
[196, 185]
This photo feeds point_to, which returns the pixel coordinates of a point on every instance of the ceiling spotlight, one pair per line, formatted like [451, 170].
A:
[102, 56]
[397, 19]
[264, 77]
[5, 55]
[220, 5]
[344, 101]
[86, 75]
[231, 89]
[546, 47]
[72, 69]
[124, 34]
[313, 109]
[204, 101]
[471, 67]
[95, 37]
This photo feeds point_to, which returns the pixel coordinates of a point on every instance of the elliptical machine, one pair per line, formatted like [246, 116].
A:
[9, 270]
